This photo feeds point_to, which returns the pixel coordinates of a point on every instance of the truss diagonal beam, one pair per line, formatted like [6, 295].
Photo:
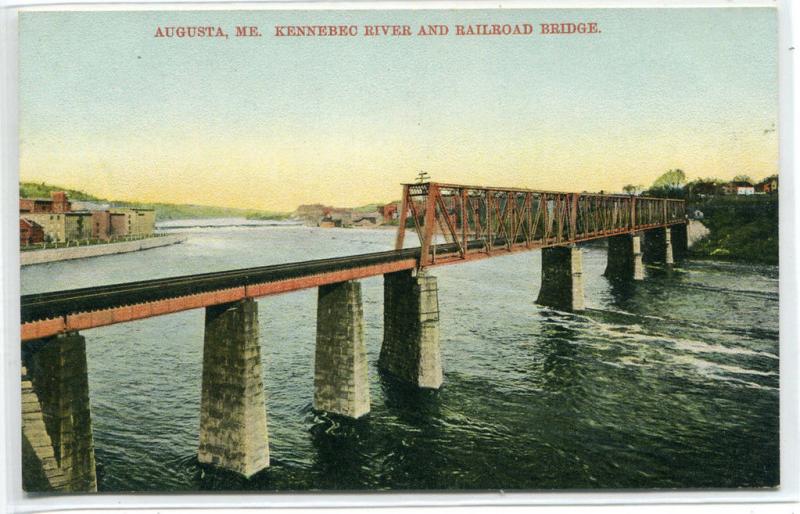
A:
[484, 221]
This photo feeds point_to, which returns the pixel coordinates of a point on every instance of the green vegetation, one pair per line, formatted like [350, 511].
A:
[42, 190]
[742, 228]
[164, 211]
[169, 211]
[267, 216]
[370, 207]
[669, 185]
[670, 179]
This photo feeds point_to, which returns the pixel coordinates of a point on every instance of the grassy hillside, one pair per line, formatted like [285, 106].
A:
[164, 211]
[42, 190]
[742, 228]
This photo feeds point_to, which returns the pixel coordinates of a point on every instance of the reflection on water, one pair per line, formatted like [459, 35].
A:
[670, 382]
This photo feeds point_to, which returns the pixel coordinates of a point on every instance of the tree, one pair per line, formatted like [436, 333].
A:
[743, 178]
[630, 189]
[671, 179]
[703, 187]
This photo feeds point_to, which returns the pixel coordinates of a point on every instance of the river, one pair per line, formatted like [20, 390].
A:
[670, 382]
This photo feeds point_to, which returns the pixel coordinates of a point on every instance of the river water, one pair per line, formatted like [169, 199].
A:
[671, 382]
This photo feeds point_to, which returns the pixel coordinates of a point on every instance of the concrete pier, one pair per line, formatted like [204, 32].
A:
[562, 278]
[680, 241]
[341, 381]
[233, 414]
[57, 443]
[411, 351]
[658, 246]
[625, 258]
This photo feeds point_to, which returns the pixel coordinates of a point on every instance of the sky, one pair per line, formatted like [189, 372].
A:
[273, 122]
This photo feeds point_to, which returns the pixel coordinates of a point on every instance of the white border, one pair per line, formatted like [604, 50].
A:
[11, 496]
[31, 5]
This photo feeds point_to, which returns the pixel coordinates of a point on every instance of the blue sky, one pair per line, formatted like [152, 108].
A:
[273, 122]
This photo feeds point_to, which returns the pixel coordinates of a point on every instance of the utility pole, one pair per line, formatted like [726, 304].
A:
[422, 177]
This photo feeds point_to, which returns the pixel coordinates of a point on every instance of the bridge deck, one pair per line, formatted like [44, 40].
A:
[47, 314]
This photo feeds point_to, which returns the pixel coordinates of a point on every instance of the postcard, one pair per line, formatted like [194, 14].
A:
[285, 249]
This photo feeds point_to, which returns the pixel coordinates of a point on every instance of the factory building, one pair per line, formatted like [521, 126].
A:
[53, 220]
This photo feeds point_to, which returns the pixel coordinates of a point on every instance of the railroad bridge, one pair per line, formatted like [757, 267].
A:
[454, 224]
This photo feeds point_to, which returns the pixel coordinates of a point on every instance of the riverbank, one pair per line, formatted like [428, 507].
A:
[741, 228]
[81, 252]
[215, 223]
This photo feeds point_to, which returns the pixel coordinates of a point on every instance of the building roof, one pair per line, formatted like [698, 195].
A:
[38, 199]
[130, 209]
[30, 223]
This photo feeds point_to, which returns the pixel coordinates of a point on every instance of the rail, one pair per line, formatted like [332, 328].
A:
[454, 223]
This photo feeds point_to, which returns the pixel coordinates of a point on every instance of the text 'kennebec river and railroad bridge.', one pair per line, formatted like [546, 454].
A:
[331, 30]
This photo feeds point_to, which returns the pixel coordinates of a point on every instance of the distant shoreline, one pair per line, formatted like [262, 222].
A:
[221, 223]
[184, 224]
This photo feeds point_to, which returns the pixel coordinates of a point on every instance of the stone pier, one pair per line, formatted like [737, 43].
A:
[57, 444]
[233, 413]
[411, 351]
[341, 381]
[562, 278]
[625, 258]
[680, 240]
[658, 246]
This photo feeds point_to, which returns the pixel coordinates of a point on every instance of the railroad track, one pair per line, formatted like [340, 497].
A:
[43, 306]
[40, 306]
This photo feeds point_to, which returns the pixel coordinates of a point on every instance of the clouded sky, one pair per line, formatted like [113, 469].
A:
[271, 123]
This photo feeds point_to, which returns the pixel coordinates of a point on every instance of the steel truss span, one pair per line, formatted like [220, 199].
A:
[477, 222]
[455, 223]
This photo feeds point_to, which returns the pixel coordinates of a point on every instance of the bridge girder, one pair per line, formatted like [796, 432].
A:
[483, 221]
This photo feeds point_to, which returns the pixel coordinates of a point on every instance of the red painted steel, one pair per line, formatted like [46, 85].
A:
[99, 318]
[477, 222]
[93, 319]
[487, 221]
[43, 328]
[295, 284]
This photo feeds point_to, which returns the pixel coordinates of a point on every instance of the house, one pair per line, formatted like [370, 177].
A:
[56, 203]
[738, 188]
[390, 211]
[768, 185]
[30, 232]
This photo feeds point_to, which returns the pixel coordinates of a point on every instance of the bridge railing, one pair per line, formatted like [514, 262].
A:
[480, 221]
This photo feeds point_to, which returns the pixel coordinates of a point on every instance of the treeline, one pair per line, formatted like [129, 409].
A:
[741, 227]
[673, 184]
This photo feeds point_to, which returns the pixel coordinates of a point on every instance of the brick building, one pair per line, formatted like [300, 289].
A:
[57, 222]
[390, 211]
[768, 185]
[30, 232]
